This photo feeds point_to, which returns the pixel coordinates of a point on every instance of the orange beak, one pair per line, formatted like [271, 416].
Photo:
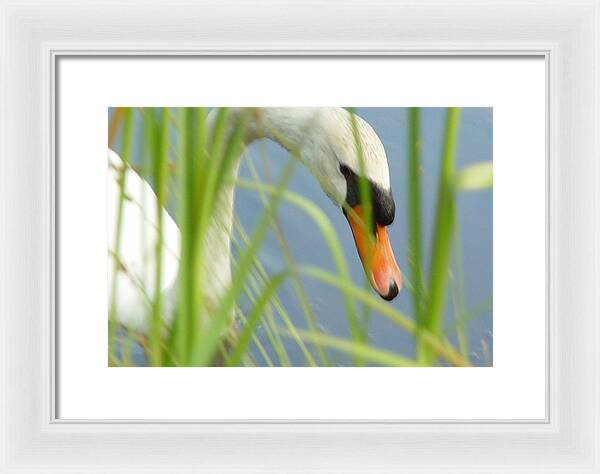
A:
[376, 256]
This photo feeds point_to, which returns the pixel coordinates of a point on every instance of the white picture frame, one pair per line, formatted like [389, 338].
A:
[34, 35]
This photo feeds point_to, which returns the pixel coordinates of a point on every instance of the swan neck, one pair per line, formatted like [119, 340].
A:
[284, 126]
[287, 126]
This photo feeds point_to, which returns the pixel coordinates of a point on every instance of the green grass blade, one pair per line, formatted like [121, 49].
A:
[366, 206]
[187, 309]
[458, 296]
[161, 160]
[415, 234]
[444, 230]
[358, 350]
[473, 312]
[475, 177]
[126, 150]
[254, 318]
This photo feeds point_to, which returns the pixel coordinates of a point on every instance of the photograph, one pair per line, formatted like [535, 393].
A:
[300, 236]
[272, 238]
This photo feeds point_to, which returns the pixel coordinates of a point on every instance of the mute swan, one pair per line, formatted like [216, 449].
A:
[326, 142]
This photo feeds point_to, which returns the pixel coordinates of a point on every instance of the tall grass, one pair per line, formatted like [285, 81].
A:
[122, 177]
[415, 234]
[159, 135]
[201, 151]
[295, 279]
[444, 227]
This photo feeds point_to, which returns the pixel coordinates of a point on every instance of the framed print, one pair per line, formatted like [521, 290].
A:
[232, 245]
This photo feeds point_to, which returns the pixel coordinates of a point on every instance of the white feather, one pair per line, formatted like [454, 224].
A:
[135, 283]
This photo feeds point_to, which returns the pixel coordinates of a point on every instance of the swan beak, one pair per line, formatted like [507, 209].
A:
[376, 256]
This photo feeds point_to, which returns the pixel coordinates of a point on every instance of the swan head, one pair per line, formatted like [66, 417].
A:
[331, 156]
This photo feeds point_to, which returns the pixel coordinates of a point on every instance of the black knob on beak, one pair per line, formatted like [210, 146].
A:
[392, 291]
